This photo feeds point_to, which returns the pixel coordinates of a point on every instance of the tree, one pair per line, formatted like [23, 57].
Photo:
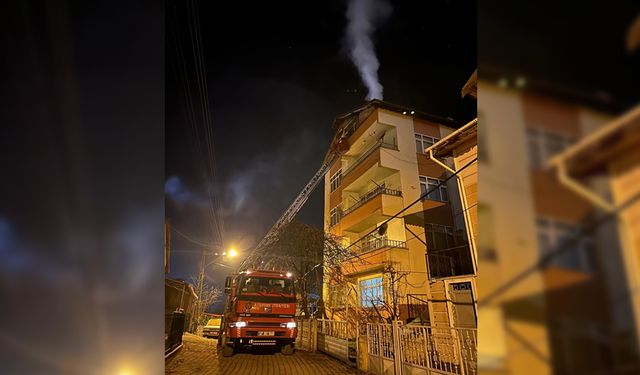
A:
[299, 249]
[207, 294]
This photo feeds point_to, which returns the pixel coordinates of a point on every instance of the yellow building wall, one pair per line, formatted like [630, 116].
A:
[506, 190]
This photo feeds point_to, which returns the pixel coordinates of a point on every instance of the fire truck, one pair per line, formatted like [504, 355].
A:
[260, 309]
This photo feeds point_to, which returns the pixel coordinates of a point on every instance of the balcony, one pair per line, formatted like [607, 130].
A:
[366, 213]
[379, 243]
[366, 197]
[388, 250]
[364, 155]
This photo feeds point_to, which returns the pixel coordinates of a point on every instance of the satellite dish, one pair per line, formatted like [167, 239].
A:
[382, 230]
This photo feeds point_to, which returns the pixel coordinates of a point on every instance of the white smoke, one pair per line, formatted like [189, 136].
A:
[364, 16]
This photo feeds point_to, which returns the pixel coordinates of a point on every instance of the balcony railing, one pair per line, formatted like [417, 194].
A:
[366, 197]
[369, 151]
[379, 243]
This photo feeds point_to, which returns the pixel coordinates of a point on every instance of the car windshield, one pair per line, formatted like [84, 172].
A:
[214, 322]
[266, 285]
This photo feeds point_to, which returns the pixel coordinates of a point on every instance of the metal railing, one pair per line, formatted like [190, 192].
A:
[369, 151]
[443, 350]
[379, 243]
[366, 197]
[380, 340]
[455, 261]
[339, 329]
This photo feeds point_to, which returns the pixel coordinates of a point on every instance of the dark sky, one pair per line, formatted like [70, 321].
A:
[576, 44]
[277, 75]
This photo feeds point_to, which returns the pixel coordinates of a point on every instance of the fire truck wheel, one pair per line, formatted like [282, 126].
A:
[227, 351]
[287, 349]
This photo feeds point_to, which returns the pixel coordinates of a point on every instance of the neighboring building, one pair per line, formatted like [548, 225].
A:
[384, 170]
[557, 316]
[456, 294]
[612, 152]
[179, 296]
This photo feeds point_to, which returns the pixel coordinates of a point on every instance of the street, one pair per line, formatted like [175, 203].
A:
[199, 356]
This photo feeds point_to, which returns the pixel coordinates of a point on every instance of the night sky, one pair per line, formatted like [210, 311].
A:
[277, 75]
[81, 137]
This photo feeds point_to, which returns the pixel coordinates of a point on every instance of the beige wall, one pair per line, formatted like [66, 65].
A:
[505, 188]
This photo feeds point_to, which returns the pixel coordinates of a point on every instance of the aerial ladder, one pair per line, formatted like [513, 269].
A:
[338, 147]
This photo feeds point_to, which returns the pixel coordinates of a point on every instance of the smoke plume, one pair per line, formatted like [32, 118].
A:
[364, 16]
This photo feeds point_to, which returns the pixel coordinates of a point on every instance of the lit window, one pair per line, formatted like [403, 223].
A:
[435, 192]
[371, 292]
[423, 142]
[335, 180]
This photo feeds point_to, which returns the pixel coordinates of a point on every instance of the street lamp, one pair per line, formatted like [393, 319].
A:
[232, 253]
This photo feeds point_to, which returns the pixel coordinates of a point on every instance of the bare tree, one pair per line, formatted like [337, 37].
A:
[299, 249]
[207, 295]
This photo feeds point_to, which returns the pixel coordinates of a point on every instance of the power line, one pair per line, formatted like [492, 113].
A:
[197, 242]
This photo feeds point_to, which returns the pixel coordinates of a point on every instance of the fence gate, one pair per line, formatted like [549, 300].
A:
[337, 339]
[414, 349]
[380, 348]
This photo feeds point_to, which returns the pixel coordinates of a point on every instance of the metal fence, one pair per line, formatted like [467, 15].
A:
[338, 339]
[394, 349]
[443, 350]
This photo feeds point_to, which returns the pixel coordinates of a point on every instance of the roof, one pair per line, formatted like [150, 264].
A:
[376, 103]
[597, 100]
[448, 144]
[471, 87]
[592, 153]
[181, 285]
[359, 114]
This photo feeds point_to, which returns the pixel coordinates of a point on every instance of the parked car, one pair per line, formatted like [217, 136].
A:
[212, 329]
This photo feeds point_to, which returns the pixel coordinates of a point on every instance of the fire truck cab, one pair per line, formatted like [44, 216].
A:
[260, 309]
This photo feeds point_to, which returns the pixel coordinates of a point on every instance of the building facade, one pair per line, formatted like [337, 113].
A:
[547, 290]
[386, 176]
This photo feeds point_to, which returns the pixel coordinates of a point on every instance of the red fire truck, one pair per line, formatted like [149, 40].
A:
[260, 309]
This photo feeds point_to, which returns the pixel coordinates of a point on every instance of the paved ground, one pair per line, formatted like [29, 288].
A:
[199, 356]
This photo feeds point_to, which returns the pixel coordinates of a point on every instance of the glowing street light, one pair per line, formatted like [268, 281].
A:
[233, 253]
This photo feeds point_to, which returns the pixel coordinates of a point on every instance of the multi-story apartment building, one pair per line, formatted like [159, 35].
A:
[548, 290]
[384, 171]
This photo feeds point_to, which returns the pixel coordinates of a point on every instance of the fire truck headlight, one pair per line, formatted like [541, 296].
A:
[238, 324]
[291, 325]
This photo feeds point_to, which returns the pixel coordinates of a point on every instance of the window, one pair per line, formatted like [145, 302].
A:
[428, 184]
[335, 180]
[266, 285]
[439, 237]
[423, 142]
[555, 236]
[334, 216]
[371, 292]
[542, 145]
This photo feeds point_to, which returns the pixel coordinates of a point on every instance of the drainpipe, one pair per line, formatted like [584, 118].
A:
[581, 190]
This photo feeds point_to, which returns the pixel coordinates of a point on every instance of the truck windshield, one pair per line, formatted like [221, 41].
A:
[266, 285]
